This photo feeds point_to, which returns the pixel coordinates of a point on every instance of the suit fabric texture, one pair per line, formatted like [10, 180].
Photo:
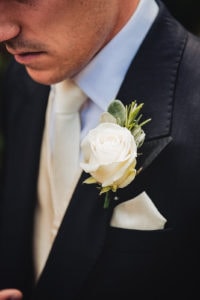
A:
[89, 258]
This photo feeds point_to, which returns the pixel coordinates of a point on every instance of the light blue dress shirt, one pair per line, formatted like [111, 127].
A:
[102, 77]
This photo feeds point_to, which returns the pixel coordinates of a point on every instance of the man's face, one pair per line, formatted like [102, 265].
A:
[54, 39]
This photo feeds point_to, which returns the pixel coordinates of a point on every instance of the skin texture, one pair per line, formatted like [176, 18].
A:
[55, 39]
[10, 294]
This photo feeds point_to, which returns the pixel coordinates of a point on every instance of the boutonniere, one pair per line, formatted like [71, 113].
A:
[110, 150]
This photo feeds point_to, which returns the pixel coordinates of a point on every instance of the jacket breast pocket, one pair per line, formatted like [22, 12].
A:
[133, 262]
[139, 241]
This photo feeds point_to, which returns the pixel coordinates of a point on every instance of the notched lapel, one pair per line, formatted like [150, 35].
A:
[151, 149]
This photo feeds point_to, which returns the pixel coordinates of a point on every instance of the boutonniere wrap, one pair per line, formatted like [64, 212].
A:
[110, 150]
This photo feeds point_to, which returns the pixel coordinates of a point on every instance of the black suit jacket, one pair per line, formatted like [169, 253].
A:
[90, 259]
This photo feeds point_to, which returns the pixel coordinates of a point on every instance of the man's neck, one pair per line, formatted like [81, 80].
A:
[126, 10]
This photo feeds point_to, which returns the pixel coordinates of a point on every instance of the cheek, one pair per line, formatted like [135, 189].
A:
[69, 46]
[69, 55]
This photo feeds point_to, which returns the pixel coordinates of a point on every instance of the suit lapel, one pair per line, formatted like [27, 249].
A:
[150, 79]
[150, 150]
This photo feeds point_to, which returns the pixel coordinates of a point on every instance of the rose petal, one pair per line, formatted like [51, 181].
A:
[109, 153]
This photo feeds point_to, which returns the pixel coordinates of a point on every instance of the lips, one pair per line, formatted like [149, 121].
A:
[25, 57]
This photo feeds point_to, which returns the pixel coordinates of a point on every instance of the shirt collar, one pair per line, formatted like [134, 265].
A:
[118, 54]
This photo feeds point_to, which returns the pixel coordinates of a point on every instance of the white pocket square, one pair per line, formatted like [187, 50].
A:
[138, 213]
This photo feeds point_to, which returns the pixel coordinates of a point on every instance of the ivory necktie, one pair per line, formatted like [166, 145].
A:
[59, 167]
[65, 159]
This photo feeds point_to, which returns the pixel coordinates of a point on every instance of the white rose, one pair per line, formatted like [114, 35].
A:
[109, 155]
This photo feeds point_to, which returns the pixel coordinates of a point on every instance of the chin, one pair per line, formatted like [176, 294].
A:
[45, 77]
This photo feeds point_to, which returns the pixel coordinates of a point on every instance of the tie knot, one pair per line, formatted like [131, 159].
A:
[68, 97]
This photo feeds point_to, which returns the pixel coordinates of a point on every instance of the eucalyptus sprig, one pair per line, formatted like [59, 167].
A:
[129, 116]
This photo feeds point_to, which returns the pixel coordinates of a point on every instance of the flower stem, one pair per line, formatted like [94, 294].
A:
[106, 200]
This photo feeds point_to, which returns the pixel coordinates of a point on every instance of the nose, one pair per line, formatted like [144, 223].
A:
[8, 31]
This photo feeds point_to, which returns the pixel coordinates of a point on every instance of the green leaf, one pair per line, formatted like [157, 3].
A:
[145, 122]
[118, 110]
[106, 117]
[90, 180]
[132, 112]
[105, 190]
